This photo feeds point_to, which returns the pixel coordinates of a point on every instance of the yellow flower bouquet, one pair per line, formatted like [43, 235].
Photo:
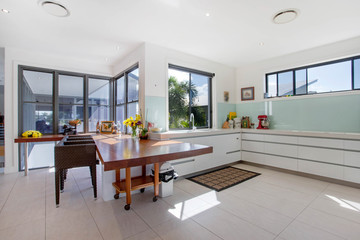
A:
[31, 133]
[133, 123]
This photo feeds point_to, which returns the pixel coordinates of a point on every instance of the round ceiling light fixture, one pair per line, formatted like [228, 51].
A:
[55, 9]
[285, 16]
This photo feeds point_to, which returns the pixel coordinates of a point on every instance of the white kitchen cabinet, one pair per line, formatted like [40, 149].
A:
[321, 169]
[184, 166]
[253, 146]
[352, 174]
[352, 145]
[321, 142]
[321, 154]
[258, 158]
[352, 159]
[253, 137]
[281, 139]
[281, 162]
[281, 149]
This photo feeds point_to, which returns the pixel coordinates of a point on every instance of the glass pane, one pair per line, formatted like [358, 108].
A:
[38, 117]
[133, 85]
[98, 114]
[39, 155]
[99, 91]
[132, 110]
[300, 81]
[329, 78]
[120, 115]
[286, 85]
[37, 86]
[356, 73]
[68, 113]
[120, 90]
[178, 99]
[71, 89]
[200, 99]
[272, 87]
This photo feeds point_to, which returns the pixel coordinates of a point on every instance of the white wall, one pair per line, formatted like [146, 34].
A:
[254, 74]
[14, 58]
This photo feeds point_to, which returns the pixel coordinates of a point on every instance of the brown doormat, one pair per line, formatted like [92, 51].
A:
[223, 178]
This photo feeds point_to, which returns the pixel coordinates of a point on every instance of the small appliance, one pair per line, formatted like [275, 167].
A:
[263, 122]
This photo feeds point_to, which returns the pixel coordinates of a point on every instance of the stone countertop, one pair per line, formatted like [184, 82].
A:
[211, 132]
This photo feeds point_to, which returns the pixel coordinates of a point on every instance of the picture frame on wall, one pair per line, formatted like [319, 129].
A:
[247, 94]
[106, 127]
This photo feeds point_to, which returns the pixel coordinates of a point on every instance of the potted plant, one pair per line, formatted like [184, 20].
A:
[144, 133]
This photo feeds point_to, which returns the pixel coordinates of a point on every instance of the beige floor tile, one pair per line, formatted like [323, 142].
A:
[191, 187]
[262, 217]
[301, 231]
[120, 225]
[330, 223]
[183, 230]
[34, 230]
[276, 203]
[228, 226]
[70, 225]
[148, 235]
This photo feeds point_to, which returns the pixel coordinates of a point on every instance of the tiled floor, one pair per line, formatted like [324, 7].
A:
[274, 205]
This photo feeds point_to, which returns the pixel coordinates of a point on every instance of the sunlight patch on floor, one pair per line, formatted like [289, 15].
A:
[346, 203]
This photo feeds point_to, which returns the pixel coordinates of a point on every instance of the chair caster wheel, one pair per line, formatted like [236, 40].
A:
[142, 190]
[116, 196]
[155, 199]
[127, 207]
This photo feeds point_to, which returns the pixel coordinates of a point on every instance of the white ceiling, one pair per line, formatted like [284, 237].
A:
[231, 35]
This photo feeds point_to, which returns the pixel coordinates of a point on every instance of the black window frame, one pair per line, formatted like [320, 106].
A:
[125, 74]
[199, 72]
[352, 59]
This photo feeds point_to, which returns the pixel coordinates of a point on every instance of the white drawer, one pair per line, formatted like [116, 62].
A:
[352, 145]
[321, 142]
[251, 136]
[253, 157]
[326, 170]
[281, 139]
[321, 154]
[253, 146]
[281, 149]
[231, 157]
[184, 166]
[281, 162]
[352, 158]
[352, 174]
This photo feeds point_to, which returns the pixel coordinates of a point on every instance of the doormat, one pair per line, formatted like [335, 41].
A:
[223, 178]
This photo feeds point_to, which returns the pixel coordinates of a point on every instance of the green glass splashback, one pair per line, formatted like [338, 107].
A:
[155, 108]
[326, 114]
[223, 110]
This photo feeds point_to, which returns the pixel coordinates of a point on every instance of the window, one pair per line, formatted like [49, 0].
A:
[340, 75]
[189, 92]
[127, 95]
[99, 102]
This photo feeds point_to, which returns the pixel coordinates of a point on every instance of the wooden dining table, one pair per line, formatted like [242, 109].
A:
[116, 153]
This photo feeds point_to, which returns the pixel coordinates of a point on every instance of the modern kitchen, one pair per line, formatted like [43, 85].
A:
[196, 119]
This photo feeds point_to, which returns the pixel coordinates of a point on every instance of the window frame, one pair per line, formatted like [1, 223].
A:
[125, 74]
[351, 59]
[199, 72]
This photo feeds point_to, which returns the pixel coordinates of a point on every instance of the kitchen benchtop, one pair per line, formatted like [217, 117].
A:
[211, 132]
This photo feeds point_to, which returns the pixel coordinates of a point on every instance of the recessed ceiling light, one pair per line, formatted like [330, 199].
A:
[261, 43]
[55, 9]
[118, 47]
[5, 10]
[106, 59]
[285, 16]
[207, 14]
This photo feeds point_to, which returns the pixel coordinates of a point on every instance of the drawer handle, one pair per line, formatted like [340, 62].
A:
[233, 152]
[181, 162]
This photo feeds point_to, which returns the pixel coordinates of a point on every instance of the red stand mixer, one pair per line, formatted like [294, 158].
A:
[263, 122]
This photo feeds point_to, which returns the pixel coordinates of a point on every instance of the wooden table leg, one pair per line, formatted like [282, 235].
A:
[143, 171]
[117, 178]
[156, 181]
[128, 188]
[26, 159]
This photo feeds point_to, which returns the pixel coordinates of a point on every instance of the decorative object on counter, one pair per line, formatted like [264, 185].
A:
[144, 133]
[245, 122]
[264, 122]
[237, 123]
[68, 130]
[252, 125]
[156, 130]
[106, 127]
[224, 178]
[134, 124]
[226, 96]
[150, 125]
[232, 115]
[118, 127]
[231, 124]
[247, 94]
[225, 125]
[97, 127]
[31, 133]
